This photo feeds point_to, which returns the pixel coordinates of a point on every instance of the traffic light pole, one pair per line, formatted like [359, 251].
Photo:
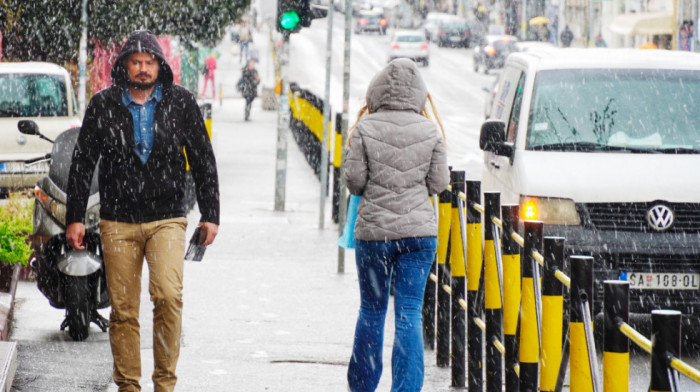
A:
[342, 207]
[326, 118]
[282, 127]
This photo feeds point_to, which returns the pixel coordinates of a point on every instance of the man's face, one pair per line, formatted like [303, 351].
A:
[143, 70]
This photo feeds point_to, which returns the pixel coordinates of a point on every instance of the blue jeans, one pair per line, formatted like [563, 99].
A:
[410, 259]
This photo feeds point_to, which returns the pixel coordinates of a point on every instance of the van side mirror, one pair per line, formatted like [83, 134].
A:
[493, 138]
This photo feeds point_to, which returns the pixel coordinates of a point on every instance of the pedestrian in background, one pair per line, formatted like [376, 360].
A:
[567, 36]
[136, 129]
[248, 85]
[395, 160]
[599, 41]
[208, 72]
[685, 36]
[245, 37]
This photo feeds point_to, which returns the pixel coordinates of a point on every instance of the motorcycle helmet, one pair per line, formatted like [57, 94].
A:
[74, 262]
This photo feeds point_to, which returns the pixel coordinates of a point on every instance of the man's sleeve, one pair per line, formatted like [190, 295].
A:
[200, 155]
[85, 156]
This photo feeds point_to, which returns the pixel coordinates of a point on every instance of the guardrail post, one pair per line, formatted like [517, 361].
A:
[529, 330]
[666, 343]
[511, 294]
[337, 158]
[580, 375]
[474, 265]
[616, 347]
[552, 313]
[442, 333]
[458, 269]
[493, 305]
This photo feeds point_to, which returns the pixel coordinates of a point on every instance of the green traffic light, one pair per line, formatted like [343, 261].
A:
[289, 20]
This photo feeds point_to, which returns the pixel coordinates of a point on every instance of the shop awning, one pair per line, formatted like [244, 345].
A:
[652, 23]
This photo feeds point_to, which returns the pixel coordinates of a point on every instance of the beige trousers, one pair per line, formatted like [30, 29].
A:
[125, 245]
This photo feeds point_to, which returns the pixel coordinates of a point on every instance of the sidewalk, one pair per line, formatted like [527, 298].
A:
[266, 309]
[275, 291]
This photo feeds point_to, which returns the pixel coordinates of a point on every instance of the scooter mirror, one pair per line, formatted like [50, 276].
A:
[28, 127]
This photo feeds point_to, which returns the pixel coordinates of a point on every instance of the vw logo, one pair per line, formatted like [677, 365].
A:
[660, 217]
[21, 140]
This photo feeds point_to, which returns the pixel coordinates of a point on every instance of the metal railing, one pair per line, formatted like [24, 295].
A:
[509, 288]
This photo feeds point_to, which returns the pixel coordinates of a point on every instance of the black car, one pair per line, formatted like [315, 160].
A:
[453, 32]
[492, 50]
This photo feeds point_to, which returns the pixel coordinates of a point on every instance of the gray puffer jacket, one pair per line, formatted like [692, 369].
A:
[396, 158]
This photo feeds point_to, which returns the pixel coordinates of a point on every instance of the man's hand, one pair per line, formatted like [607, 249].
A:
[209, 232]
[75, 232]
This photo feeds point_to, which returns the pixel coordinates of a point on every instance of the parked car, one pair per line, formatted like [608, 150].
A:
[430, 24]
[453, 32]
[492, 50]
[37, 91]
[601, 145]
[370, 20]
[409, 44]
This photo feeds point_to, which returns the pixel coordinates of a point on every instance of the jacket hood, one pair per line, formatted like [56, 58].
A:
[399, 86]
[141, 41]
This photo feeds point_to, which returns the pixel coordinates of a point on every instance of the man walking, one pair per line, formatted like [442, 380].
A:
[567, 36]
[136, 129]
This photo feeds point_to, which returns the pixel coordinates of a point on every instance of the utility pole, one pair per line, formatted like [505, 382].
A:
[82, 58]
[282, 127]
[326, 118]
[343, 206]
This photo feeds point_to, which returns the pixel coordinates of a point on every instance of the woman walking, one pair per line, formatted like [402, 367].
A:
[395, 160]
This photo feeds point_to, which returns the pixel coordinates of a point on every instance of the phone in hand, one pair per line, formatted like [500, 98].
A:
[195, 250]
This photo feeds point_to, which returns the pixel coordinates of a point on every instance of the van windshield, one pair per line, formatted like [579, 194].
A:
[32, 95]
[639, 110]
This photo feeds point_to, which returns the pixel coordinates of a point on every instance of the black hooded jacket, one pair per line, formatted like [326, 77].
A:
[129, 191]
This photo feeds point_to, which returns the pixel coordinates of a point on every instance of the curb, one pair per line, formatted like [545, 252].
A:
[8, 349]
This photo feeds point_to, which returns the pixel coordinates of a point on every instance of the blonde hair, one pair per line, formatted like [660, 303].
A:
[432, 115]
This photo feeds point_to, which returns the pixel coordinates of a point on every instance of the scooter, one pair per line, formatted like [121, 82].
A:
[70, 279]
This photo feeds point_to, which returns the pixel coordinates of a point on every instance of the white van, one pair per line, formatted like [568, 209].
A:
[602, 145]
[41, 92]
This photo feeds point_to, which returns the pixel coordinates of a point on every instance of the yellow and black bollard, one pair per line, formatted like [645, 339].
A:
[337, 159]
[529, 328]
[493, 302]
[581, 293]
[206, 114]
[666, 344]
[616, 346]
[442, 332]
[428, 313]
[552, 313]
[474, 265]
[511, 294]
[458, 286]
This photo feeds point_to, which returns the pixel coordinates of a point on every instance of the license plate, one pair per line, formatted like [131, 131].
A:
[662, 280]
[455, 39]
[11, 167]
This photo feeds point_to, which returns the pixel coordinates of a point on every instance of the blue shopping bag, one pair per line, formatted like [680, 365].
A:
[347, 239]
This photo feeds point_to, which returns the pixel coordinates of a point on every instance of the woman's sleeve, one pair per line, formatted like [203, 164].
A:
[438, 175]
[355, 162]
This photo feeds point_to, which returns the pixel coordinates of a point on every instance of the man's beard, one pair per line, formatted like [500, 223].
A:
[141, 86]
